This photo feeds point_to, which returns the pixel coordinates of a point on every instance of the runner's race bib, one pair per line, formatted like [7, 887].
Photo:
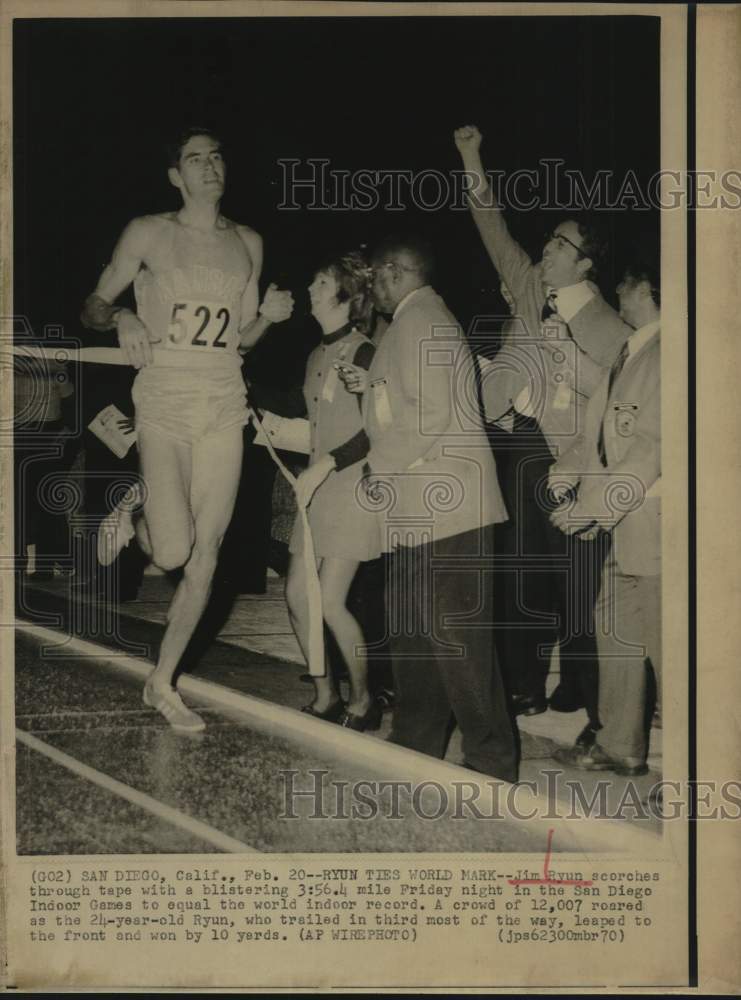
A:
[196, 325]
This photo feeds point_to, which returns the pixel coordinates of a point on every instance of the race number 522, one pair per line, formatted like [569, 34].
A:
[198, 324]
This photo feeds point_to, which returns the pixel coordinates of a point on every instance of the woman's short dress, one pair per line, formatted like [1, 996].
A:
[342, 526]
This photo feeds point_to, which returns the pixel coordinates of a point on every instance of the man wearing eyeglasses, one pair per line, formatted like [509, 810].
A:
[573, 337]
[430, 455]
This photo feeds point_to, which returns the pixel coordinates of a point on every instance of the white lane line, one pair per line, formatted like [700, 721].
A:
[360, 750]
[184, 822]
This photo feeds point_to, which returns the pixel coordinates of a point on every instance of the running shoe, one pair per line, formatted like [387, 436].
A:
[170, 705]
[117, 529]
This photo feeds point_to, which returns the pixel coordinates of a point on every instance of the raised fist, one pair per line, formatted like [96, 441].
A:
[467, 139]
[276, 306]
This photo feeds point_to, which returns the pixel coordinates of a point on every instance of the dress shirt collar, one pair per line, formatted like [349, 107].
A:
[641, 337]
[571, 298]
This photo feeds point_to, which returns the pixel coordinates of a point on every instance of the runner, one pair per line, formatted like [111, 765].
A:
[195, 276]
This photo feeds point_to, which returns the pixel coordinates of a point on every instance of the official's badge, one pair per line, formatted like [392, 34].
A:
[625, 418]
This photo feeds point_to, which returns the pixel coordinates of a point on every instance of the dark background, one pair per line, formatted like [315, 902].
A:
[96, 99]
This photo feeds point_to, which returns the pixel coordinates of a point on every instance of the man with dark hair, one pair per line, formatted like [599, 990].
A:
[572, 336]
[593, 245]
[175, 145]
[614, 470]
[195, 276]
[642, 277]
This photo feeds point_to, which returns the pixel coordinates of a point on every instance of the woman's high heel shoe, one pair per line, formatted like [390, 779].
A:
[370, 720]
[331, 714]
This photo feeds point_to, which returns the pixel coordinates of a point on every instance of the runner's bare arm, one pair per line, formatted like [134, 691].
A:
[99, 312]
[276, 306]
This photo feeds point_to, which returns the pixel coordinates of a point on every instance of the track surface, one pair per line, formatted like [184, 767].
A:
[228, 778]
[154, 791]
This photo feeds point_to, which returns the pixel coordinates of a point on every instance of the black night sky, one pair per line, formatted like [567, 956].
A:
[95, 99]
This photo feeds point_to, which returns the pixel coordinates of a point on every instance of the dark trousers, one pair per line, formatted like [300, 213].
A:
[366, 601]
[547, 582]
[578, 570]
[439, 615]
[525, 584]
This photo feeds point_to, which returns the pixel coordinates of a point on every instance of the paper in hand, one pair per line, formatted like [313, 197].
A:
[105, 426]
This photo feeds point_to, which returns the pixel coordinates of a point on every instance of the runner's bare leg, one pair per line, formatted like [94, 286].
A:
[214, 477]
[165, 530]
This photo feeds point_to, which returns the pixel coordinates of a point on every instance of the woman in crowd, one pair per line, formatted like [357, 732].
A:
[344, 532]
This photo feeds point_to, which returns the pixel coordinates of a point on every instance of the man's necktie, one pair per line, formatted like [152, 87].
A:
[617, 366]
[549, 307]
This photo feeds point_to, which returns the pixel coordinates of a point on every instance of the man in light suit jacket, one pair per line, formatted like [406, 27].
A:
[616, 468]
[572, 336]
[432, 470]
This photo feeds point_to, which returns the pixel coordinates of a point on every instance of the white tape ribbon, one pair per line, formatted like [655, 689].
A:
[62, 353]
[311, 578]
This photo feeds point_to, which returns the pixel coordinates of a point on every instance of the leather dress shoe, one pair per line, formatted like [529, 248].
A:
[587, 736]
[371, 719]
[525, 705]
[594, 758]
[564, 701]
[331, 714]
[628, 769]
